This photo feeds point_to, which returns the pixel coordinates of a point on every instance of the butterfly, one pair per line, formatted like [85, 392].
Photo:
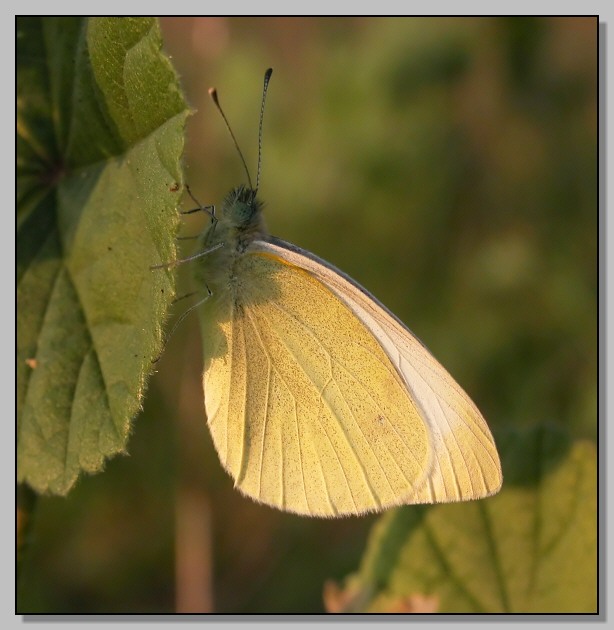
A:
[319, 400]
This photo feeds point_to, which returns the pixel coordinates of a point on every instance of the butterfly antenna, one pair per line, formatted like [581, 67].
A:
[267, 78]
[214, 98]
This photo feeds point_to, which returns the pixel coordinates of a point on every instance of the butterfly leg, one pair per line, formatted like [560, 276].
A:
[182, 317]
[180, 261]
[210, 210]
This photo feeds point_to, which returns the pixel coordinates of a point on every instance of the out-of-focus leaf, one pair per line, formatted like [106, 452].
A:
[531, 548]
[100, 134]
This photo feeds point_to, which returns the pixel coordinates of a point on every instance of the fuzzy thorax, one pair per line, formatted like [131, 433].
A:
[239, 223]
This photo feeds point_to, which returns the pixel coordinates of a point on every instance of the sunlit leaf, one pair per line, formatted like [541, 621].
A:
[531, 548]
[100, 135]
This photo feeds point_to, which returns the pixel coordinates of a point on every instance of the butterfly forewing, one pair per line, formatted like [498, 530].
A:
[463, 459]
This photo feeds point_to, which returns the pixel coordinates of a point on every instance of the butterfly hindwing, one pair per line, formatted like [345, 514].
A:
[306, 410]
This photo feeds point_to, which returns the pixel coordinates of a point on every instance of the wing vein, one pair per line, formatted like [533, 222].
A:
[354, 377]
[480, 436]
[342, 468]
[243, 460]
[357, 380]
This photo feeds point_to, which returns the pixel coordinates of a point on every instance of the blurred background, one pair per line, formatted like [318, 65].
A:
[449, 166]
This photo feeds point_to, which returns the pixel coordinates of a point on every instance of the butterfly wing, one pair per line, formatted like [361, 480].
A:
[321, 403]
[464, 460]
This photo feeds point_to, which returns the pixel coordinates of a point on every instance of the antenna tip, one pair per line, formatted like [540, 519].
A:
[213, 94]
[268, 73]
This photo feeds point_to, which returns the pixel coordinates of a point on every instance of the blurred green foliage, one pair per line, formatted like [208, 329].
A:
[449, 166]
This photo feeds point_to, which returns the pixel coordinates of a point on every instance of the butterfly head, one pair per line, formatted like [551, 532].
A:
[242, 208]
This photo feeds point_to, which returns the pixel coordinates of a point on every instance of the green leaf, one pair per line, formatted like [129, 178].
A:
[531, 548]
[100, 121]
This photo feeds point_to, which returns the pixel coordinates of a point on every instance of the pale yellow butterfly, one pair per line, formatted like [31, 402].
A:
[319, 400]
